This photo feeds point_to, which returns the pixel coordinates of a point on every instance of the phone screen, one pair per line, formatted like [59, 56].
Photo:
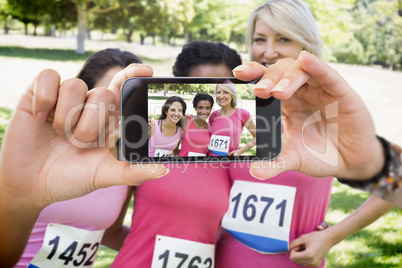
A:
[197, 120]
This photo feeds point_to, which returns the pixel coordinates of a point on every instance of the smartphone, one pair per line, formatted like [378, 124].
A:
[162, 121]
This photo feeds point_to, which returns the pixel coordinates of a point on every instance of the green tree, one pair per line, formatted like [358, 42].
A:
[5, 15]
[125, 18]
[378, 29]
[84, 9]
[30, 11]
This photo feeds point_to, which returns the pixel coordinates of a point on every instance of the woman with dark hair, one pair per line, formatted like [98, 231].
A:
[202, 58]
[165, 133]
[103, 62]
[196, 134]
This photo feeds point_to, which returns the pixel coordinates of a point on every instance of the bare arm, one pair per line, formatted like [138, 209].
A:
[252, 129]
[310, 249]
[115, 235]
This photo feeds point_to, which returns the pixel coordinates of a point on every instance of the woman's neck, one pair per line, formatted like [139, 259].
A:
[199, 123]
[227, 110]
[168, 124]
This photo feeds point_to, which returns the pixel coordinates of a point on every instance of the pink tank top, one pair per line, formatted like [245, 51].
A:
[95, 211]
[160, 141]
[195, 140]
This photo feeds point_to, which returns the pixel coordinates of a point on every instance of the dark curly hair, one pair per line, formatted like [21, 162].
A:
[203, 52]
[102, 61]
[202, 96]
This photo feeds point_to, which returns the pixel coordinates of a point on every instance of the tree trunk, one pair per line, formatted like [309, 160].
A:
[26, 28]
[35, 23]
[129, 35]
[142, 39]
[82, 26]
[186, 35]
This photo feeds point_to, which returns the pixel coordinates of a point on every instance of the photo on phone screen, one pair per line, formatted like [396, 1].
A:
[197, 120]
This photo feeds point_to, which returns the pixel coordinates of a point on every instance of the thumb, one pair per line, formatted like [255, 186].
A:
[133, 70]
[115, 172]
[297, 245]
[287, 160]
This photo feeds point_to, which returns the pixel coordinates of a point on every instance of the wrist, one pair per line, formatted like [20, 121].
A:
[386, 184]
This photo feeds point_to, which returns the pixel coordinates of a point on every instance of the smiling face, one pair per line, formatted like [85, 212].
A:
[175, 112]
[269, 46]
[223, 98]
[203, 109]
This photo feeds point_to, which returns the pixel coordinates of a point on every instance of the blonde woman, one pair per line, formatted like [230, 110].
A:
[228, 122]
[279, 216]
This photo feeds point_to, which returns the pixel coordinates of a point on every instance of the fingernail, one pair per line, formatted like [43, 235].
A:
[241, 68]
[255, 165]
[280, 87]
[42, 116]
[166, 172]
[263, 84]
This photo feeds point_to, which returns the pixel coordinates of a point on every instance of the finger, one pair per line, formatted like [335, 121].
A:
[71, 98]
[94, 116]
[292, 78]
[133, 70]
[249, 71]
[45, 92]
[323, 74]
[297, 244]
[287, 160]
[114, 172]
[299, 257]
[269, 76]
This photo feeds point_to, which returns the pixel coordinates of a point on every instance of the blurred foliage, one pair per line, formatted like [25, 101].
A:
[244, 91]
[354, 31]
[5, 115]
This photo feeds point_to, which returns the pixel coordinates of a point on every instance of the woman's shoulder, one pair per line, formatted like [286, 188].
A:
[242, 112]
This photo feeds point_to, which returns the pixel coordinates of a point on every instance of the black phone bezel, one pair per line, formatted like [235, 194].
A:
[135, 90]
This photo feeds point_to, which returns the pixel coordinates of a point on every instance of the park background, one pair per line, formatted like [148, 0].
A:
[362, 38]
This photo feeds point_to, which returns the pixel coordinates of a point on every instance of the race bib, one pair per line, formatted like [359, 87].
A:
[163, 153]
[259, 215]
[195, 154]
[66, 246]
[219, 145]
[173, 252]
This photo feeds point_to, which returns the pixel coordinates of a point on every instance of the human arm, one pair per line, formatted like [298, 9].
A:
[54, 150]
[310, 249]
[252, 129]
[115, 235]
[151, 127]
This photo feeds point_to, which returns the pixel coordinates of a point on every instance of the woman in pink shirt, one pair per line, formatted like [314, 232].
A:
[196, 135]
[273, 223]
[227, 124]
[165, 133]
